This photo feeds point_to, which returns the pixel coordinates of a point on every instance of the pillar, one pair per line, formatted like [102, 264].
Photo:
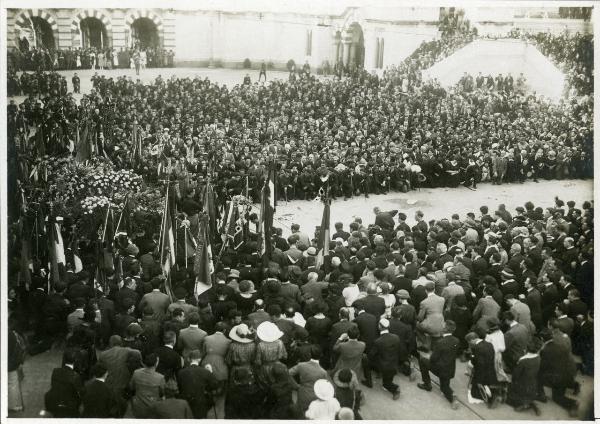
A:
[346, 56]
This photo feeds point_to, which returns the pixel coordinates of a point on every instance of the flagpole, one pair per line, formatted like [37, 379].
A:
[185, 245]
[164, 221]
[122, 212]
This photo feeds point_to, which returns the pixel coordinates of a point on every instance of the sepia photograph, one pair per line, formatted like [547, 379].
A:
[297, 210]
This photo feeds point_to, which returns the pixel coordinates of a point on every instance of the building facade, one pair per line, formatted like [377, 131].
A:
[373, 37]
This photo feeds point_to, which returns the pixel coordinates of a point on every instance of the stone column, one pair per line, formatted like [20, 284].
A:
[346, 56]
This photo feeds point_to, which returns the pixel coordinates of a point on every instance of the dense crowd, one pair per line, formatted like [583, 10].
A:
[44, 59]
[574, 53]
[362, 134]
[508, 292]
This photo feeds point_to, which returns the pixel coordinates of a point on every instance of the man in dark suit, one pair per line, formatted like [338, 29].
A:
[411, 269]
[126, 292]
[563, 322]
[577, 308]
[170, 362]
[533, 299]
[384, 356]
[64, 397]
[367, 325]
[342, 326]
[385, 220]
[120, 362]
[99, 401]
[557, 369]
[441, 362]
[372, 303]
[406, 335]
[584, 277]
[549, 298]
[196, 385]
[171, 408]
[484, 370]
[80, 288]
[339, 232]
[516, 339]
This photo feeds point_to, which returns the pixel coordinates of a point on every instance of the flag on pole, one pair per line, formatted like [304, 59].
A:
[210, 209]
[72, 256]
[187, 248]
[267, 210]
[324, 236]
[167, 244]
[57, 251]
[203, 263]
[124, 222]
[82, 142]
[233, 231]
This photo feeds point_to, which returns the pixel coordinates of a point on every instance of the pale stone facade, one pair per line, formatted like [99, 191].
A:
[374, 36]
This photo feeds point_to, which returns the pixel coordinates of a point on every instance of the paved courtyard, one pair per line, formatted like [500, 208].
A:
[435, 203]
[229, 77]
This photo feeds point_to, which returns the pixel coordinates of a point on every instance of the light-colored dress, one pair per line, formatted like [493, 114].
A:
[323, 409]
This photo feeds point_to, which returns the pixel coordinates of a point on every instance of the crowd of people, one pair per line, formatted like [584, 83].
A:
[349, 132]
[574, 53]
[46, 59]
[509, 292]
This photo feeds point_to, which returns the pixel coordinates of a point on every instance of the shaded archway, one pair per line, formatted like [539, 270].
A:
[93, 33]
[144, 33]
[43, 34]
[357, 45]
[36, 28]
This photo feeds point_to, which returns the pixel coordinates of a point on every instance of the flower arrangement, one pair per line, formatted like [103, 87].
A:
[91, 203]
[241, 200]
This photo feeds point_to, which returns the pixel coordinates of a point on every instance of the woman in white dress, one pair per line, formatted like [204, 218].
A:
[115, 59]
[495, 336]
[78, 61]
[101, 60]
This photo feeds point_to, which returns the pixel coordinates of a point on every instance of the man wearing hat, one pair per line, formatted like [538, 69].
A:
[408, 312]
[384, 356]
[509, 285]
[441, 362]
